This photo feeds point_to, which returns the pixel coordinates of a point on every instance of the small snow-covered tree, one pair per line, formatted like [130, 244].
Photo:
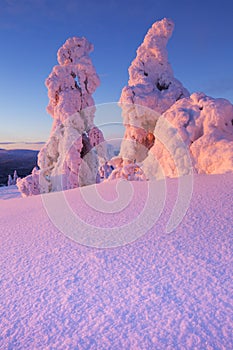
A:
[68, 159]
[29, 185]
[10, 180]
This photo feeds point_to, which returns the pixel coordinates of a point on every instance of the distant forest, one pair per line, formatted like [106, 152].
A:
[23, 161]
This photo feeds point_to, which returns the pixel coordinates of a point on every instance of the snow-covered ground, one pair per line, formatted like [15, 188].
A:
[9, 192]
[163, 291]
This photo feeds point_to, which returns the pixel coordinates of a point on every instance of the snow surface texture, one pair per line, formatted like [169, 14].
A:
[151, 90]
[9, 192]
[199, 125]
[68, 159]
[164, 291]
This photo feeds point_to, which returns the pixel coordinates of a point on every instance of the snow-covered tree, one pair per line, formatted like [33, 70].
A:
[68, 159]
[12, 181]
[29, 185]
[15, 177]
[151, 90]
[204, 126]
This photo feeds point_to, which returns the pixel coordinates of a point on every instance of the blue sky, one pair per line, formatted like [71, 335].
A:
[31, 31]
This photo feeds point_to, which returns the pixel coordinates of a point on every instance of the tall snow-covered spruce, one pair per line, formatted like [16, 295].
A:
[151, 90]
[68, 159]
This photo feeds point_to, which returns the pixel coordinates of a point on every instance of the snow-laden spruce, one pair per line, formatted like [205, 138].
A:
[183, 134]
[12, 181]
[160, 291]
[68, 159]
[151, 90]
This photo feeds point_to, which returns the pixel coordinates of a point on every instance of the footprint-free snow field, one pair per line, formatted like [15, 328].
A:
[163, 291]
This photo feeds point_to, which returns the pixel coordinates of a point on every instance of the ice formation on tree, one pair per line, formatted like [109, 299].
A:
[68, 159]
[151, 90]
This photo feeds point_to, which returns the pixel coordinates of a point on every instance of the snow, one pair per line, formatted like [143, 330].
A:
[122, 264]
[162, 291]
[9, 192]
[151, 90]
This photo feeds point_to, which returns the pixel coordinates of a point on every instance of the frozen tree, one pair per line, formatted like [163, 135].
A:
[68, 159]
[151, 90]
[10, 180]
[29, 185]
[15, 177]
[167, 132]
[13, 181]
[200, 127]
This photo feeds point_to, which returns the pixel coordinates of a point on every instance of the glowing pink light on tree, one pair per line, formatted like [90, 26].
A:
[68, 159]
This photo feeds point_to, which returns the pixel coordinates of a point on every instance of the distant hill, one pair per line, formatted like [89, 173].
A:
[21, 160]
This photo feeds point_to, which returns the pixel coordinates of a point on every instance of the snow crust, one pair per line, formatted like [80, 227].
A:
[164, 291]
[68, 159]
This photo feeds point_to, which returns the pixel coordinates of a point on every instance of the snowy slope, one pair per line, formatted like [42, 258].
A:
[9, 192]
[163, 291]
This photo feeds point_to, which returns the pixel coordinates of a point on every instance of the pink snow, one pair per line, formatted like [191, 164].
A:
[163, 291]
[167, 131]
[151, 90]
[205, 128]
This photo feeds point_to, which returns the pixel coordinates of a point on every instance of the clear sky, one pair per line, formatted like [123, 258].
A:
[31, 32]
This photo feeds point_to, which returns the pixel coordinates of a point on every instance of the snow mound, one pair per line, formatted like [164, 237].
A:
[164, 291]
